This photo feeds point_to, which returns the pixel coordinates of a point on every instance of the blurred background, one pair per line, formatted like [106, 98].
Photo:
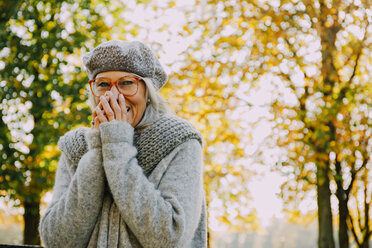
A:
[280, 90]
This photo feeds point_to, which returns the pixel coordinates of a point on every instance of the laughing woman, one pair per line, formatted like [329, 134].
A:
[135, 178]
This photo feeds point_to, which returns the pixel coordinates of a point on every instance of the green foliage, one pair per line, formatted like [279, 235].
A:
[42, 89]
[8, 9]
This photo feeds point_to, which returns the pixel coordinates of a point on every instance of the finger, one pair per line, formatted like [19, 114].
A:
[101, 117]
[115, 106]
[123, 108]
[94, 114]
[96, 123]
[100, 104]
[107, 109]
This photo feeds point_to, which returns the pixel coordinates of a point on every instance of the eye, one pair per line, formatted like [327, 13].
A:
[126, 82]
[103, 84]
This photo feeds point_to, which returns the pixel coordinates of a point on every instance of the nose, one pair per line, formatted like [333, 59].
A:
[114, 91]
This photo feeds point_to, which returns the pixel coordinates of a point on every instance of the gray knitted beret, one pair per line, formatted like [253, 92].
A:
[117, 55]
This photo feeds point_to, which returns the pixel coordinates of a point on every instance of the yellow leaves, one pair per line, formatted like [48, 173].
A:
[50, 152]
[187, 29]
[333, 10]
[296, 216]
[44, 60]
[225, 22]
[171, 4]
[240, 152]
[8, 220]
[266, 18]
[328, 24]
[240, 42]
[235, 41]
[322, 158]
[249, 218]
[7, 177]
[50, 25]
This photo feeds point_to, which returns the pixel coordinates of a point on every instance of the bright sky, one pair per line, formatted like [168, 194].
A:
[265, 191]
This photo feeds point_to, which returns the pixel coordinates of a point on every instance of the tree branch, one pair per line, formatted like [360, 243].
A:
[352, 228]
[354, 174]
[366, 209]
[359, 53]
[359, 218]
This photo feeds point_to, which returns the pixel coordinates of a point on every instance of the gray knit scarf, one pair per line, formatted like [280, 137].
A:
[153, 143]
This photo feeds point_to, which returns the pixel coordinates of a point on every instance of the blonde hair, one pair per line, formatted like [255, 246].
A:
[156, 105]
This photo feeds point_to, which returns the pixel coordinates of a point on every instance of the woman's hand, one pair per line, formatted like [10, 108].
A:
[109, 109]
[95, 123]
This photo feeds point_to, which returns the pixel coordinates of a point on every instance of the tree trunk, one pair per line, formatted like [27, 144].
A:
[209, 238]
[325, 226]
[342, 197]
[31, 219]
[365, 244]
[367, 205]
[343, 237]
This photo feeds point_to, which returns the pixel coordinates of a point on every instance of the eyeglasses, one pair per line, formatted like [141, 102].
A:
[127, 85]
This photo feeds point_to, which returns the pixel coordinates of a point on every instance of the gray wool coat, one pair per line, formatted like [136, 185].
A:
[103, 198]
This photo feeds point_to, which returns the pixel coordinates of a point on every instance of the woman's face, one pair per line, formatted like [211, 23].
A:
[136, 104]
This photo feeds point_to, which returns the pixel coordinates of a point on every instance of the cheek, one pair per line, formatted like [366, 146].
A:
[140, 100]
[139, 104]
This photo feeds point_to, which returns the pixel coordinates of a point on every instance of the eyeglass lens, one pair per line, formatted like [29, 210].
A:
[125, 85]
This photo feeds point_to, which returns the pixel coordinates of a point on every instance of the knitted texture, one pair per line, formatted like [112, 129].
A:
[118, 55]
[167, 208]
[152, 144]
[159, 139]
[74, 144]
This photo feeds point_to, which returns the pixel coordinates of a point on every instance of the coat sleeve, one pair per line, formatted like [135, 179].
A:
[77, 199]
[166, 215]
